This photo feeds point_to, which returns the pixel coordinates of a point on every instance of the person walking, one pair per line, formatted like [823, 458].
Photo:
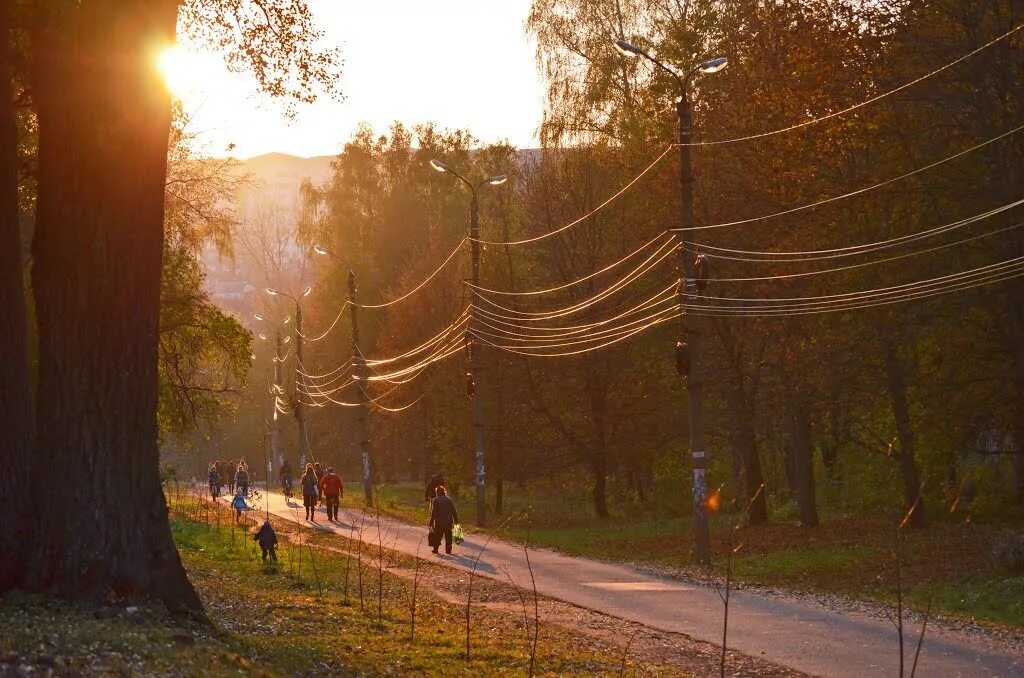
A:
[333, 490]
[319, 476]
[242, 480]
[238, 503]
[443, 517]
[310, 488]
[286, 479]
[268, 541]
[214, 479]
[229, 475]
[436, 481]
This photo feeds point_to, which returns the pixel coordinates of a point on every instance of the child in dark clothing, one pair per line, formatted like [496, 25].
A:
[268, 540]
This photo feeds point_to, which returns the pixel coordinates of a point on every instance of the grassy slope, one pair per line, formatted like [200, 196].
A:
[274, 620]
[952, 564]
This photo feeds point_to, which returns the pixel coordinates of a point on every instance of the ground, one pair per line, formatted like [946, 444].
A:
[968, 570]
[318, 611]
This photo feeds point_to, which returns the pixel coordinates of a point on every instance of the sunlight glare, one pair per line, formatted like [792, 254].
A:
[181, 70]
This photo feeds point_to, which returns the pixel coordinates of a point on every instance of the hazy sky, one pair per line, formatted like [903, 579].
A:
[460, 63]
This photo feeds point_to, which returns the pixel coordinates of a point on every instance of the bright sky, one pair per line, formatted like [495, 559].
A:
[460, 63]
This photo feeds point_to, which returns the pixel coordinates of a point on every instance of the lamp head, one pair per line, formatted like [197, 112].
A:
[272, 292]
[498, 180]
[627, 48]
[320, 249]
[257, 316]
[287, 319]
[262, 336]
[439, 166]
[714, 65]
[305, 292]
[287, 339]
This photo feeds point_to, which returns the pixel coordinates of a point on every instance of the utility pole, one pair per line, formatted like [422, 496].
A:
[364, 405]
[300, 416]
[689, 350]
[474, 349]
[692, 336]
[474, 357]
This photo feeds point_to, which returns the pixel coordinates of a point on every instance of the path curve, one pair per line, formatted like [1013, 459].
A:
[800, 636]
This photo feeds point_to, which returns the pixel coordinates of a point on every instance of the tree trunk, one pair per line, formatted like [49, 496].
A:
[1017, 334]
[104, 118]
[803, 464]
[752, 474]
[599, 462]
[16, 415]
[896, 382]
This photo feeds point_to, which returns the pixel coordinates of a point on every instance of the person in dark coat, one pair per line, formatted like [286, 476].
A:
[310, 489]
[443, 517]
[436, 481]
[242, 479]
[268, 540]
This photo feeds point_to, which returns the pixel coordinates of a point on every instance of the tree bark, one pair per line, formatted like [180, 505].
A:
[16, 415]
[104, 117]
[896, 382]
[803, 463]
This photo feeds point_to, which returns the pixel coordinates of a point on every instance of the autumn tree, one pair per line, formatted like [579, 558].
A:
[104, 120]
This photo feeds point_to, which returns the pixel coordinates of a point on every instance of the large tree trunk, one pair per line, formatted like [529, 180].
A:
[896, 382]
[101, 523]
[16, 416]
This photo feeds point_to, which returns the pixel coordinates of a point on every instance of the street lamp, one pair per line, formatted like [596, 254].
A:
[474, 353]
[692, 346]
[297, 406]
[360, 372]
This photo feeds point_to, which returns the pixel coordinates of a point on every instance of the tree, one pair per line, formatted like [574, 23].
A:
[16, 412]
[96, 272]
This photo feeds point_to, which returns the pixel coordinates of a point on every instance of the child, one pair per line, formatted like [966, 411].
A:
[238, 503]
[268, 540]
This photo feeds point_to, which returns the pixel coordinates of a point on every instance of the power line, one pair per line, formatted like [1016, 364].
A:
[586, 216]
[866, 263]
[797, 302]
[866, 102]
[854, 250]
[645, 267]
[859, 191]
[576, 281]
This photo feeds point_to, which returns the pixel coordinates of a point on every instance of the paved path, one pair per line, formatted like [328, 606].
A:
[799, 636]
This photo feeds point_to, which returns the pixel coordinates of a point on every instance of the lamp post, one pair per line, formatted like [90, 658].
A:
[691, 346]
[297, 404]
[360, 373]
[474, 353]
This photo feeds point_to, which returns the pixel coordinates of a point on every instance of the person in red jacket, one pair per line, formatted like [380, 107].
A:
[333, 489]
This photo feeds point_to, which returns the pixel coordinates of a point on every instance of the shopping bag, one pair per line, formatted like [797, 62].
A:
[433, 539]
[458, 534]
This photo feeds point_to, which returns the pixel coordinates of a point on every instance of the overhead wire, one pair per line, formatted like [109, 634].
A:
[795, 302]
[517, 350]
[586, 216]
[666, 294]
[867, 263]
[866, 102]
[854, 250]
[556, 342]
[573, 282]
[663, 252]
[754, 312]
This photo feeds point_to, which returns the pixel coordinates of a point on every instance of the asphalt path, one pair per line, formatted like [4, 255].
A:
[801, 636]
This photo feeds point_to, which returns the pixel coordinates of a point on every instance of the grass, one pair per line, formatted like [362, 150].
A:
[281, 619]
[848, 555]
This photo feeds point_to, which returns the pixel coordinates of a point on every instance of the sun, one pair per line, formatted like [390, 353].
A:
[181, 70]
